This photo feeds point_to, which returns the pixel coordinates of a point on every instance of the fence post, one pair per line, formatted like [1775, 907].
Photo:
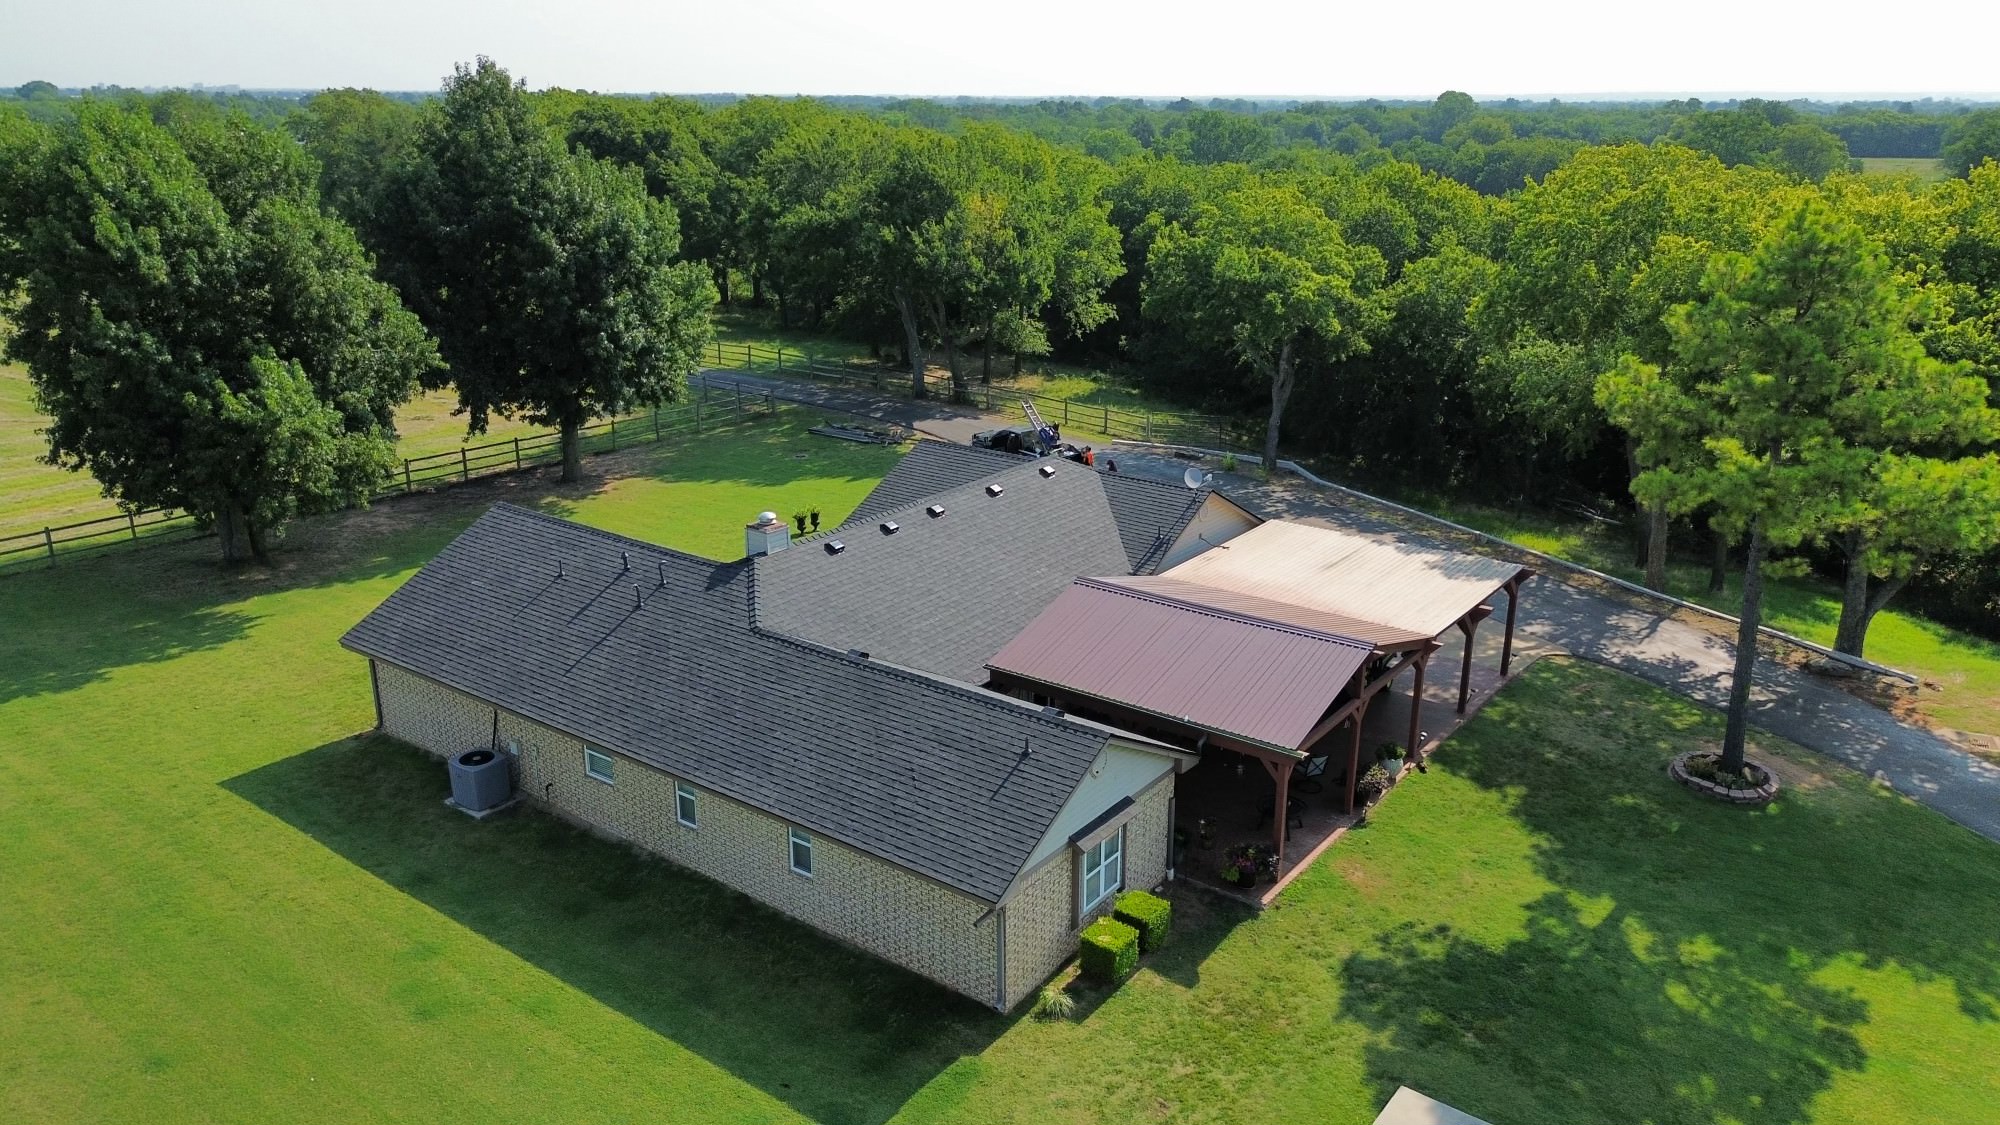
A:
[1065, 412]
[464, 466]
[749, 361]
[1107, 421]
[49, 542]
[133, 525]
[656, 424]
[517, 453]
[406, 475]
[614, 435]
[1149, 425]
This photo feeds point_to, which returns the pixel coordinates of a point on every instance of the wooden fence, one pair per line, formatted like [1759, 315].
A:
[1093, 419]
[711, 403]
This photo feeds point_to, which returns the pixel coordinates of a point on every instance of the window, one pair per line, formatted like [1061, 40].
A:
[1103, 868]
[597, 764]
[684, 803]
[802, 853]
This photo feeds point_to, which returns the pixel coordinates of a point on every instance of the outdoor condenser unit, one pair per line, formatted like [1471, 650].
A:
[481, 780]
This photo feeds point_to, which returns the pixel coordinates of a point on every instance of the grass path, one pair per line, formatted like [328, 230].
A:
[219, 905]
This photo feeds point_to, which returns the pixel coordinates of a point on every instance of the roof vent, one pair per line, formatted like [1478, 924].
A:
[994, 490]
[858, 654]
[1048, 470]
[835, 546]
[934, 511]
[1052, 712]
[891, 527]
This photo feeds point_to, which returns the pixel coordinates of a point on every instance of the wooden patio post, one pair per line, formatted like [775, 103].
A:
[1469, 624]
[1354, 754]
[1417, 706]
[1279, 812]
[1513, 603]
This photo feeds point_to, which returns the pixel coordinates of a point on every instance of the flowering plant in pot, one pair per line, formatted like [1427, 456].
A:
[1245, 864]
[1373, 784]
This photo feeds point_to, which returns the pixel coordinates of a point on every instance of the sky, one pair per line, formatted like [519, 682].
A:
[1281, 48]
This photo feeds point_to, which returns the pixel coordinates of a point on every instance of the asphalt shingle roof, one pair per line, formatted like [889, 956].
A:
[944, 593]
[1149, 515]
[922, 773]
[930, 467]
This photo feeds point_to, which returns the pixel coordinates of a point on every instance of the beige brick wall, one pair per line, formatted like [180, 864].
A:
[884, 909]
[1041, 924]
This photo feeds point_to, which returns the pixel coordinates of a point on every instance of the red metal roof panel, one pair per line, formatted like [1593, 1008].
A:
[1257, 680]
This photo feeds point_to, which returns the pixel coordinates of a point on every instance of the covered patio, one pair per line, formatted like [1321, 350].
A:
[1279, 657]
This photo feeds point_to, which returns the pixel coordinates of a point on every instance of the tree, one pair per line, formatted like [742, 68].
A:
[549, 278]
[1809, 368]
[1973, 140]
[1266, 274]
[360, 140]
[200, 332]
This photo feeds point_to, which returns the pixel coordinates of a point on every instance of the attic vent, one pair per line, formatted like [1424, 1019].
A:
[858, 654]
[994, 490]
[835, 546]
[1048, 470]
[891, 527]
[934, 511]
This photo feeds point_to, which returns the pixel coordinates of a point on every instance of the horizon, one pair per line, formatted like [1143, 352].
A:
[1031, 49]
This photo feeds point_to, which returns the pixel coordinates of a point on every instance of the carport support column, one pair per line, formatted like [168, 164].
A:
[1469, 624]
[1417, 704]
[1513, 604]
[1354, 753]
[1281, 779]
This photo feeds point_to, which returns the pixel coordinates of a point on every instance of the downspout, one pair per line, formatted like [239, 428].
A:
[1000, 961]
[375, 687]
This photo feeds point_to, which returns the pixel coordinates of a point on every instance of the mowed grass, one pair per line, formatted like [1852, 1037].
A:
[1925, 168]
[219, 902]
[1965, 668]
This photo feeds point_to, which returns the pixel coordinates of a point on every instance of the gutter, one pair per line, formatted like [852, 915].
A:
[1549, 560]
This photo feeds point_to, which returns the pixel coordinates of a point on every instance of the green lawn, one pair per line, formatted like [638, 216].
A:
[218, 904]
[1922, 167]
[1965, 667]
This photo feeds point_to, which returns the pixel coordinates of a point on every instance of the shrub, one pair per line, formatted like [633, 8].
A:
[1149, 914]
[1053, 1002]
[1229, 462]
[1110, 950]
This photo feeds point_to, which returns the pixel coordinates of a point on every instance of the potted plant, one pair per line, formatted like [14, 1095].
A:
[1243, 865]
[1391, 755]
[799, 518]
[1373, 784]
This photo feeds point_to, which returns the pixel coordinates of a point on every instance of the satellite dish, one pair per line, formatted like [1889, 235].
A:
[1195, 478]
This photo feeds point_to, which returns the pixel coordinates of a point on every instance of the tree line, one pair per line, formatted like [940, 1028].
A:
[561, 250]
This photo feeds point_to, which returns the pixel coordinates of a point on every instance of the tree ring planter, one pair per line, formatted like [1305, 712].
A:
[1715, 791]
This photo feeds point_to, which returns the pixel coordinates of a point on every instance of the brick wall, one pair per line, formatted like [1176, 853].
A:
[887, 910]
[1041, 924]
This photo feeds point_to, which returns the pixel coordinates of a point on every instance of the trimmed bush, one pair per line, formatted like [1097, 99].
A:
[1149, 914]
[1110, 950]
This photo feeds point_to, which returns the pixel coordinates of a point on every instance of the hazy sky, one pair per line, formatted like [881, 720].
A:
[1036, 47]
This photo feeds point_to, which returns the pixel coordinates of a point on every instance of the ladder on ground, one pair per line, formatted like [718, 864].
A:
[1044, 433]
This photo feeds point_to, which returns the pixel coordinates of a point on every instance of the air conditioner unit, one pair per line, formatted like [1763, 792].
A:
[481, 780]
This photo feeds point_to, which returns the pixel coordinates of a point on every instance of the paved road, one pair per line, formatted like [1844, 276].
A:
[1563, 618]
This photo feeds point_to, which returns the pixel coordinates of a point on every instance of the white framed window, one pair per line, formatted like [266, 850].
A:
[597, 764]
[802, 853]
[1103, 868]
[684, 804]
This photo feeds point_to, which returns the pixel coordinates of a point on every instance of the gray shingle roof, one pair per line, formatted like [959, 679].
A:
[1149, 514]
[944, 594]
[930, 467]
[924, 774]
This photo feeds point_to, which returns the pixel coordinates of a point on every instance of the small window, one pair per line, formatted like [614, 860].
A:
[597, 764]
[684, 803]
[802, 853]
[1103, 868]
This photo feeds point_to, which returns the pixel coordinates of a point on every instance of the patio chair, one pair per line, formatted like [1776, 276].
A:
[1306, 774]
[1295, 811]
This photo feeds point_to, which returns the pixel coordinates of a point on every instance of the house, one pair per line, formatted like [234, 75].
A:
[860, 729]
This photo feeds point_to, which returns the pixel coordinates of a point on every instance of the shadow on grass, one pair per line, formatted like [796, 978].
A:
[838, 1035]
[1675, 975]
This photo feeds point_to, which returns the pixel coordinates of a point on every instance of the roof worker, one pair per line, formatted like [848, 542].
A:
[1089, 457]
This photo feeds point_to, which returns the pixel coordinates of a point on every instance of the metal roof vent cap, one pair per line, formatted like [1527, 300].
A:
[994, 489]
[934, 511]
[835, 546]
[1048, 470]
[891, 527]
